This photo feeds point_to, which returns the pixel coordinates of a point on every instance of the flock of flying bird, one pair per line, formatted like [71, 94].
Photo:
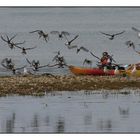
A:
[59, 60]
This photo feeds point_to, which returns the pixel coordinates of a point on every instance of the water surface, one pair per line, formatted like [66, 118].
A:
[72, 112]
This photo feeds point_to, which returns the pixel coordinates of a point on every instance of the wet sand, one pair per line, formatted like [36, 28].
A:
[38, 85]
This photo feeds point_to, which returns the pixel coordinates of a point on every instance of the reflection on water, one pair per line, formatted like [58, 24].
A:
[124, 112]
[88, 119]
[60, 125]
[105, 125]
[85, 111]
[35, 123]
[10, 124]
[47, 121]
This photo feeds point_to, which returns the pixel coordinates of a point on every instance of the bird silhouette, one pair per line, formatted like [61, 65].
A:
[10, 43]
[24, 49]
[112, 36]
[55, 58]
[136, 30]
[60, 62]
[87, 61]
[42, 34]
[82, 48]
[60, 34]
[35, 64]
[16, 70]
[7, 63]
[130, 44]
[69, 42]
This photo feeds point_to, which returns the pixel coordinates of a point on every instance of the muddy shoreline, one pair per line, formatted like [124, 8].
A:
[38, 85]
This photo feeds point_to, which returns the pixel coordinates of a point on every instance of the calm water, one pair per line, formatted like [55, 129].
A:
[72, 112]
[87, 22]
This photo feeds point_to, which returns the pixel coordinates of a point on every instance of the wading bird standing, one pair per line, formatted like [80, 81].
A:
[112, 35]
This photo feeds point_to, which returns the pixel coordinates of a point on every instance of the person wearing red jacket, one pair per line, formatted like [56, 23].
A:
[106, 59]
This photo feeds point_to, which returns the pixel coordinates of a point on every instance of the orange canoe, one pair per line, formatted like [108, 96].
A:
[89, 71]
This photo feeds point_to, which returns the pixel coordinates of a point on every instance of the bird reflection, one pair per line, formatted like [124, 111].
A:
[105, 95]
[60, 125]
[88, 119]
[35, 123]
[47, 120]
[10, 124]
[124, 112]
[105, 125]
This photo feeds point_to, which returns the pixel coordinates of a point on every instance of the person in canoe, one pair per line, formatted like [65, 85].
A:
[106, 59]
[109, 62]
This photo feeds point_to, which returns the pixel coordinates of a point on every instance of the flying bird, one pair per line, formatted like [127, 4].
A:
[112, 35]
[86, 61]
[69, 42]
[7, 63]
[60, 62]
[60, 34]
[35, 64]
[130, 44]
[55, 58]
[71, 46]
[24, 49]
[136, 30]
[78, 48]
[82, 48]
[10, 43]
[41, 34]
[16, 70]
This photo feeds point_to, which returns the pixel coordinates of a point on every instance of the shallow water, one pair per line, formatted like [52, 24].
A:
[87, 22]
[72, 112]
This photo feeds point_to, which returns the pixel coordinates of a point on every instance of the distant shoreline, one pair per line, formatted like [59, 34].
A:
[38, 85]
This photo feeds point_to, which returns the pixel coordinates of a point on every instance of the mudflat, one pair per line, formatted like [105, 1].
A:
[38, 85]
